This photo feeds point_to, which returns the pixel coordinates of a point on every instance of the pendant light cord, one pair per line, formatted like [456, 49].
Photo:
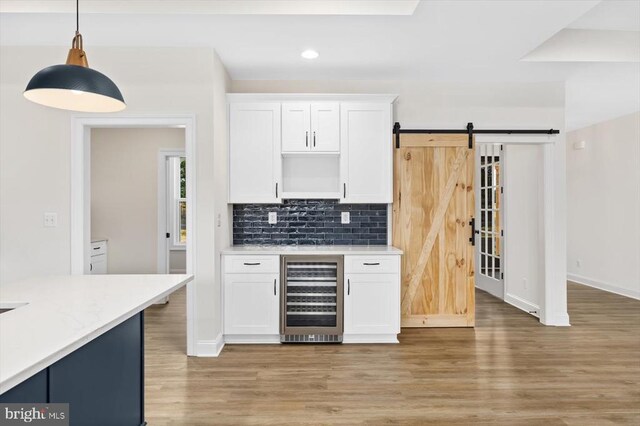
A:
[77, 16]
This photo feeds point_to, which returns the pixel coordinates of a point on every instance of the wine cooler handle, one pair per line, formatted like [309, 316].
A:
[274, 286]
[348, 287]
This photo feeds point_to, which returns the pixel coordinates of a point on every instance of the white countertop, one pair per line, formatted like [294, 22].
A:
[309, 249]
[63, 313]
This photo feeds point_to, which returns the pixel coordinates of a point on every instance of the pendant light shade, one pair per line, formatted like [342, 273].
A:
[74, 86]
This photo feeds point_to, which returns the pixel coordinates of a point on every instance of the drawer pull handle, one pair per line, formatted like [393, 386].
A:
[371, 263]
[97, 248]
[251, 264]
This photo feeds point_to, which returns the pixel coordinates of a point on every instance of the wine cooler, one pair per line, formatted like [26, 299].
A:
[311, 299]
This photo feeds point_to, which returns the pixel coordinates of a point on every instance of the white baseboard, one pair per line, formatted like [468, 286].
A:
[604, 286]
[210, 348]
[561, 320]
[370, 338]
[522, 304]
[251, 339]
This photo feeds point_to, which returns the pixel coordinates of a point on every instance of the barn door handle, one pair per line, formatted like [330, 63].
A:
[472, 239]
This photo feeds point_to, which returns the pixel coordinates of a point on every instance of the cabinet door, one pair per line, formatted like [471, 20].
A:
[98, 264]
[325, 127]
[296, 135]
[251, 304]
[366, 151]
[254, 153]
[372, 304]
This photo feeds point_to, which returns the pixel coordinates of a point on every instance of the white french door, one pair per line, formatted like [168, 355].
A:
[489, 222]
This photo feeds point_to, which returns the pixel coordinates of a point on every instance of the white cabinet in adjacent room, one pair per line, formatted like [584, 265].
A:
[98, 257]
[310, 127]
[366, 153]
[254, 153]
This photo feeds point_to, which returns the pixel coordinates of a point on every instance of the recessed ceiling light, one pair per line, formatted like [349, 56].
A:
[309, 54]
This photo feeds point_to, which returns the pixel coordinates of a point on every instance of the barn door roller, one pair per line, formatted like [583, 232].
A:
[397, 131]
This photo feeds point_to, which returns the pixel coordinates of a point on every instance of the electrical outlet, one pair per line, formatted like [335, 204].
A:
[578, 263]
[50, 220]
[345, 218]
[273, 218]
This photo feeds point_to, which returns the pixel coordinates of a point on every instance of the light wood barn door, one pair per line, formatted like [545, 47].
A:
[432, 208]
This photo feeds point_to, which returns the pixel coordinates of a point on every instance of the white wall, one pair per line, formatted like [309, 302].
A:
[487, 105]
[603, 202]
[35, 157]
[524, 227]
[124, 194]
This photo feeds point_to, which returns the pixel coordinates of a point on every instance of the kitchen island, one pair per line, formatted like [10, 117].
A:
[79, 340]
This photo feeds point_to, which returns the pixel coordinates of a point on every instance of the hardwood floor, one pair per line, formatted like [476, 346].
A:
[509, 370]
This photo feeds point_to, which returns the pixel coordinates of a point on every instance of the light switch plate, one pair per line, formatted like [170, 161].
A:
[273, 218]
[345, 218]
[50, 220]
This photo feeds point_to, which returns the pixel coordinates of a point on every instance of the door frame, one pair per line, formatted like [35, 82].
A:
[493, 286]
[80, 206]
[163, 190]
[553, 297]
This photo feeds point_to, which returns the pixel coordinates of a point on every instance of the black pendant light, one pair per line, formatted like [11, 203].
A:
[74, 86]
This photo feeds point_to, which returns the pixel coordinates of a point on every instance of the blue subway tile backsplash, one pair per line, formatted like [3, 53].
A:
[310, 222]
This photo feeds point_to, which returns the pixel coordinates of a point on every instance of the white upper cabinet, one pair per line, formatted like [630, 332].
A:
[296, 127]
[325, 127]
[299, 146]
[366, 153]
[310, 127]
[254, 153]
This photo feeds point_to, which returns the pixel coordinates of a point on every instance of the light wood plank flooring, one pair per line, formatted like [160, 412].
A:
[509, 370]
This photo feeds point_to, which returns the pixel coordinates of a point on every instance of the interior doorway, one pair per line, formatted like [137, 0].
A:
[489, 219]
[81, 194]
[172, 212]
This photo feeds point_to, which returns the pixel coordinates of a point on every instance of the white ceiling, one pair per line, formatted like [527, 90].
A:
[222, 7]
[464, 41]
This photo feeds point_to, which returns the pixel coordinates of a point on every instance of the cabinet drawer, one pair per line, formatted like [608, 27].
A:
[251, 264]
[371, 264]
[98, 247]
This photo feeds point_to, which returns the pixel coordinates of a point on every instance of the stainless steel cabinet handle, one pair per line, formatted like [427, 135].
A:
[97, 248]
[348, 287]
[314, 139]
[276, 189]
[371, 264]
[306, 139]
[251, 263]
[274, 286]
[344, 186]
[90, 267]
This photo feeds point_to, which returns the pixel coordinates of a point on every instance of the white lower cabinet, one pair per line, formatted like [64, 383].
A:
[371, 307]
[252, 298]
[251, 307]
